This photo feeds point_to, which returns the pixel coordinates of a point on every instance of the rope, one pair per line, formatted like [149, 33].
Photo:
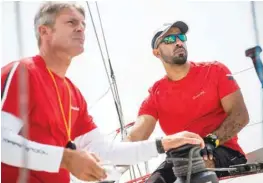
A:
[184, 167]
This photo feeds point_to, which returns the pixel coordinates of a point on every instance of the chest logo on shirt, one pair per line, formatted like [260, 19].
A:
[198, 95]
[75, 108]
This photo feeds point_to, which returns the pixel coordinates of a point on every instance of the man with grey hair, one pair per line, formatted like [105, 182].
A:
[62, 136]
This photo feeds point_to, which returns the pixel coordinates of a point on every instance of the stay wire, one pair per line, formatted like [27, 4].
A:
[109, 61]
[113, 86]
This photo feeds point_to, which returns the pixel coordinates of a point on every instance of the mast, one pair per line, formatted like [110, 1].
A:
[256, 33]
[22, 92]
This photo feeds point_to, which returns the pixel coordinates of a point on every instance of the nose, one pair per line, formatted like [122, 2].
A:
[178, 42]
[80, 27]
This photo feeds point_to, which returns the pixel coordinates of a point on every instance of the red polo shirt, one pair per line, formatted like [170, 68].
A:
[45, 120]
[192, 103]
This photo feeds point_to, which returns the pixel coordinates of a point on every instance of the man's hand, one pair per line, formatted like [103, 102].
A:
[208, 151]
[211, 142]
[180, 139]
[83, 165]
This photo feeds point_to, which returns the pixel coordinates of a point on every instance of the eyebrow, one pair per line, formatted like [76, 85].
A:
[84, 23]
[76, 20]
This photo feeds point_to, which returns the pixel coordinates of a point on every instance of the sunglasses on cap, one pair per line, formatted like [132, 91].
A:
[170, 39]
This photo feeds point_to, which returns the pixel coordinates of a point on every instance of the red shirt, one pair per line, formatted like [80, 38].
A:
[45, 120]
[192, 103]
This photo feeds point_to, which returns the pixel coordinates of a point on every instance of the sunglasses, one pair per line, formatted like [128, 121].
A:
[170, 39]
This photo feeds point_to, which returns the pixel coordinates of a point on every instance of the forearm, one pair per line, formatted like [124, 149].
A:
[15, 148]
[40, 156]
[127, 153]
[231, 126]
[118, 153]
[142, 129]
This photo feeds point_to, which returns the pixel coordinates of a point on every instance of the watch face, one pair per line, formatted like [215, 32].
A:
[213, 139]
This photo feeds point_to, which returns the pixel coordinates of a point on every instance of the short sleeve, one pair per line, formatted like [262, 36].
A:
[148, 106]
[11, 88]
[226, 81]
[85, 121]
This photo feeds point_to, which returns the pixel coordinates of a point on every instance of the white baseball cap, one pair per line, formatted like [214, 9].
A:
[165, 28]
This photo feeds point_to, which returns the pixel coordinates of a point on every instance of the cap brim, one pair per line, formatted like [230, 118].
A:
[179, 24]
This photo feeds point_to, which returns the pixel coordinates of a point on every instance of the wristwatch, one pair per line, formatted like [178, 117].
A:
[212, 139]
[159, 146]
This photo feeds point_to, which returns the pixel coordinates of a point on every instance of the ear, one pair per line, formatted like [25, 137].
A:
[43, 30]
[156, 53]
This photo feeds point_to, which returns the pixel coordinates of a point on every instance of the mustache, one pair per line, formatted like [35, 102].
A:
[179, 48]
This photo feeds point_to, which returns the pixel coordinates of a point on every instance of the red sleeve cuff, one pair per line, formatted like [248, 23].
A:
[226, 81]
[148, 107]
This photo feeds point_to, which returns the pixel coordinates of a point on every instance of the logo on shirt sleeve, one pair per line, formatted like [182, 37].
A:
[230, 77]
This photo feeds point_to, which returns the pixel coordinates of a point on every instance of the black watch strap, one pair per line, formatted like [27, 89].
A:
[159, 146]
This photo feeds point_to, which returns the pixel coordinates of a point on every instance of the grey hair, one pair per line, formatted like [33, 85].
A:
[48, 12]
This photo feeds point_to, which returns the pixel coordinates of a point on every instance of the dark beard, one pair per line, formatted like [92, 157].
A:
[178, 60]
